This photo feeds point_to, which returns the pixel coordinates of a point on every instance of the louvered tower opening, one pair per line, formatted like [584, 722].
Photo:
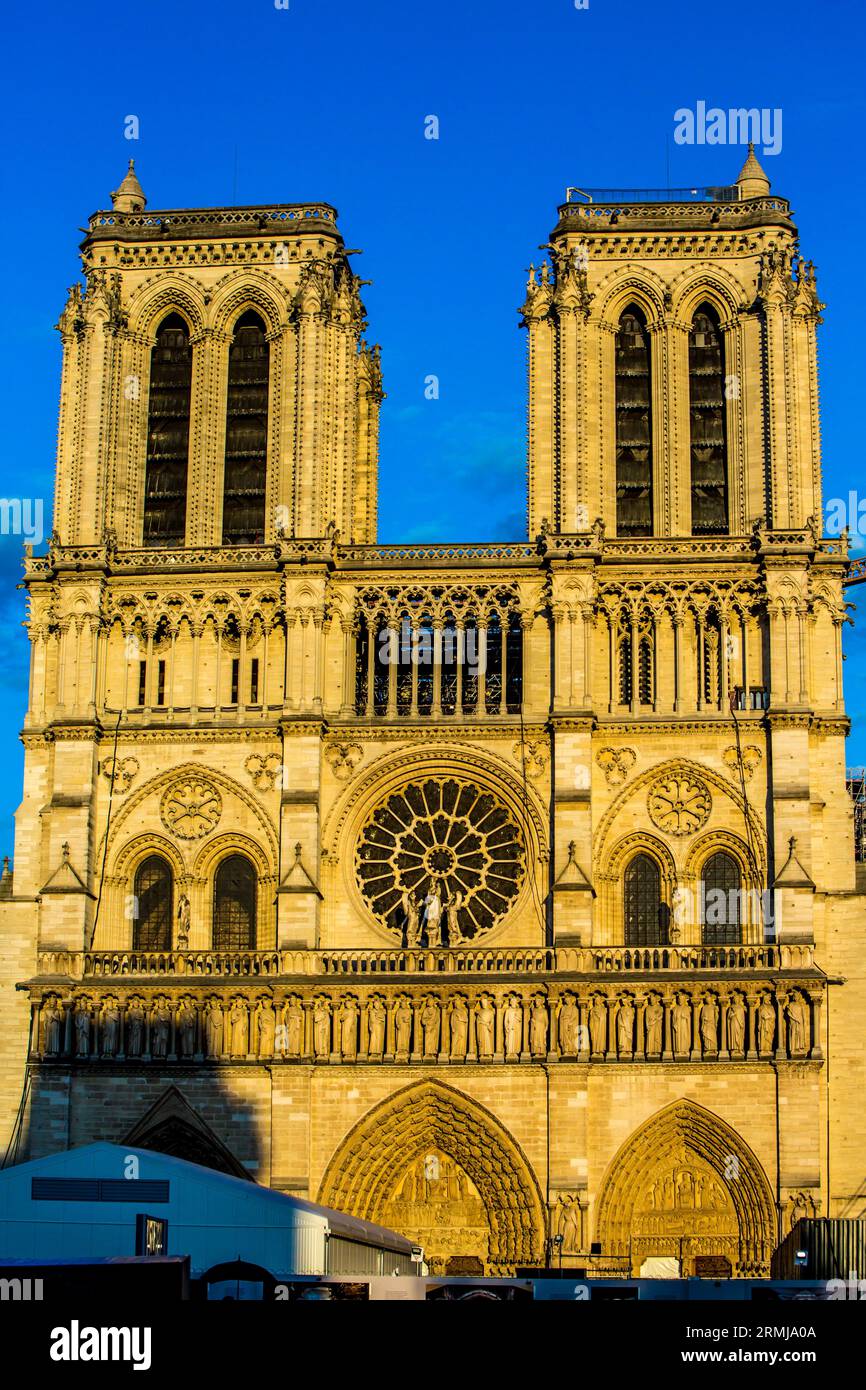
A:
[707, 412]
[166, 468]
[634, 500]
[246, 434]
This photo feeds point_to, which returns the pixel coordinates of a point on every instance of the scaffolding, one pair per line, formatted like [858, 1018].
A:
[856, 780]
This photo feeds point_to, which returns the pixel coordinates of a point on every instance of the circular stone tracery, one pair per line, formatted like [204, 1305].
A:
[191, 808]
[679, 805]
[446, 834]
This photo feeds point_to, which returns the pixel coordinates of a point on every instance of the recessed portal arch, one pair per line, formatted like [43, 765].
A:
[684, 1185]
[494, 1211]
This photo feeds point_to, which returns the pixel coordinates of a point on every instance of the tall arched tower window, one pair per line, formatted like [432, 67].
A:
[708, 435]
[645, 914]
[234, 906]
[167, 464]
[154, 896]
[721, 919]
[246, 434]
[634, 462]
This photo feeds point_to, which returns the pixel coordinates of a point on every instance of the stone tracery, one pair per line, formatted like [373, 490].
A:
[441, 836]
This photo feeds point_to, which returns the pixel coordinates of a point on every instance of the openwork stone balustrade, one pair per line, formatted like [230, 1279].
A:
[569, 960]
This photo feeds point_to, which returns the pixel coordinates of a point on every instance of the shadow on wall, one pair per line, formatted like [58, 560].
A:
[201, 1117]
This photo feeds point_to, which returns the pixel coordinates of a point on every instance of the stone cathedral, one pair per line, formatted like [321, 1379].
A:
[502, 894]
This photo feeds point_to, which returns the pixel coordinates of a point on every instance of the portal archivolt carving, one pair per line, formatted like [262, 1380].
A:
[686, 1185]
[493, 1190]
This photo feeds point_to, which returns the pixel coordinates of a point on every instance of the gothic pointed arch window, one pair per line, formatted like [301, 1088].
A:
[645, 913]
[721, 918]
[707, 424]
[634, 460]
[246, 433]
[153, 893]
[168, 414]
[234, 905]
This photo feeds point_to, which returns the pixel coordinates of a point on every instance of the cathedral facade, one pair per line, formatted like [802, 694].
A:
[502, 894]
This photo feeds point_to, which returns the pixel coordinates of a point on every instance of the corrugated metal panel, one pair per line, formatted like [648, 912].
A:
[835, 1248]
[307, 1254]
[350, 1257]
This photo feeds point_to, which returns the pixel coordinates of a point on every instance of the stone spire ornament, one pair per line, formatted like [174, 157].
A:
[751, 180]
[129, 197]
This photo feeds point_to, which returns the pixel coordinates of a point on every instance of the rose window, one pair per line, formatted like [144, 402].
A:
[441, 836]
[191, 808]
[679, 805]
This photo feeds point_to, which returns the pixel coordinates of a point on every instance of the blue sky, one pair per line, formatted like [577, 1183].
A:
[243, 102]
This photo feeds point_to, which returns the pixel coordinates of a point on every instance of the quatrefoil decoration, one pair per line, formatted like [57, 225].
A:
[616, 764]
[122, 771]
[344, 758]
[263, 771]
[751, 761]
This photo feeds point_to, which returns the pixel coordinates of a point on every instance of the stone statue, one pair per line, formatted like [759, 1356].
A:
[513, 1024]
[598, 1026]
[376, 1025]
[53, 1019]
[485, 1025]
[538, 1027]
[265, 1028]
[215, 1029]
[569, 1027]
[709, 1024]
[766, 1024]
[455, 935]
[459, 1024]
[568, 1222]
[681, 1017]
[134, 1028]
[433, 915]
[186, 1024]
[160, 1028]
[654, 1020]
[430, 1026]
[183, 919]
[736, 1026]
[348, 1022]
[82, 1028]
[403, 1025]
[292, 1018]
[322, 1027]
[625, 1026]
[801, 1205]
[240, 1028]
[413, 922]
[798, 1023]
[110, 1027]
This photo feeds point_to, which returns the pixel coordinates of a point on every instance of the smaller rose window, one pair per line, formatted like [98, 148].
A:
[679, 805]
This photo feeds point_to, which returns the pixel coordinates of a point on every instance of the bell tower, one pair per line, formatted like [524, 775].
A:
[672, 364]
[216, 385]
